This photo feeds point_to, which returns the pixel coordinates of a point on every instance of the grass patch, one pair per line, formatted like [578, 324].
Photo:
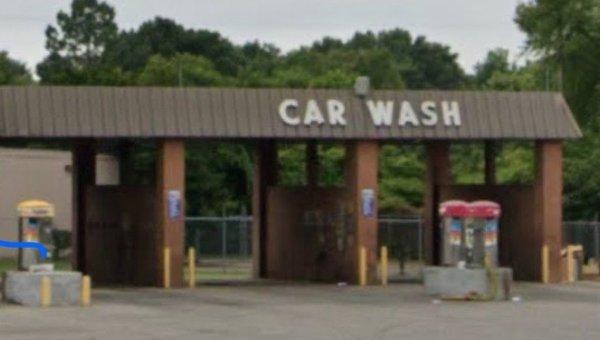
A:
[220, 274]
[7, 264]
[209, 270]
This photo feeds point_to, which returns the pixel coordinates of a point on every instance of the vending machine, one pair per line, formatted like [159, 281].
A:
[453, 214]
[469, 233]
[35, 225]
[481, 228]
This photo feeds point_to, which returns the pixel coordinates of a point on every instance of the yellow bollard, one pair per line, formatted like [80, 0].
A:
[362, 266]
[192, 267]
[86, 290]
[45, 292]
[571, 250]
[167, 268]
[384, 266]
[545, 264]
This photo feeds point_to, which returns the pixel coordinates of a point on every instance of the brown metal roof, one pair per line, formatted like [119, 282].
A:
[106, 112]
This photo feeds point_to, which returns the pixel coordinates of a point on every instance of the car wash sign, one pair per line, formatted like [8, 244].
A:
[381, 113]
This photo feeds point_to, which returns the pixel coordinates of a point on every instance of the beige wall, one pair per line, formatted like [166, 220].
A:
[41, 174]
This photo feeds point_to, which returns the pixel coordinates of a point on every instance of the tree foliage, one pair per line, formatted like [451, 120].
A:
[77, 46]
[160, 36]
[565, 36]
[401, 182]
[13, 72]
[180, 70]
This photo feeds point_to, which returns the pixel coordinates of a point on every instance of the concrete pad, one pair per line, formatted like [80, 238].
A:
[24, 287]
[463, 283]
[306, 312]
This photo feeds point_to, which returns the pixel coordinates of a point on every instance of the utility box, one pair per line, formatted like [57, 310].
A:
[35, 225]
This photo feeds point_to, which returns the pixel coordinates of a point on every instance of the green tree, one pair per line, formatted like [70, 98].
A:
[381, 67]
[515, 163]
[566, 36]
[77, 46]
[390, 58]
[294, 77]
[401, 180]
[336, 78]
[260, 63]
[160, 36]
[434, 67]
[497, 73]
[180, 70]
[332, 158]
[496, 61]
[581, 184]
[520, 80]
[292, 164]
[218, 178]
[13, 72]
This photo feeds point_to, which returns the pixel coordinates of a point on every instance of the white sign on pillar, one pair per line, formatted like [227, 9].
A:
[368, 202]
[174, 204]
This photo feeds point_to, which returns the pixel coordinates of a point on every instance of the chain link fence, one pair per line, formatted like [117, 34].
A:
[403, 236]
[585, 233]
[224, 245]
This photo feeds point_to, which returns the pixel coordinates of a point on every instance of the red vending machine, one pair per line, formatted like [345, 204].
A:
[452, 215]
[481, 233]
[469, 233]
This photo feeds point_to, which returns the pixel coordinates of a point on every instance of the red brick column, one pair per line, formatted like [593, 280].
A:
[83, 166]
[437, 173]
[265, 170]
[170, 188]
[548, 206]
[361, 174]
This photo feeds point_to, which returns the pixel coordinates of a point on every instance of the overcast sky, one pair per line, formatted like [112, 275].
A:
[470, 27]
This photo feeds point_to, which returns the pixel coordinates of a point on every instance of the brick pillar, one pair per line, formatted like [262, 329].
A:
[170, 189]
[548, 205]
[490, 162]
[361, 176]
[265, 170]
[437, 173]
[83, 167]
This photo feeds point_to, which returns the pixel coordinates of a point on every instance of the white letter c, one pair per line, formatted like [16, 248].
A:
[283, 111]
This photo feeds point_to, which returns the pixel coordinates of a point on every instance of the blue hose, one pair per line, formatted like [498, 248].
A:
[31, 245]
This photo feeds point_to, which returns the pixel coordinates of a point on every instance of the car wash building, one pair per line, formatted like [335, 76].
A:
[120, 231]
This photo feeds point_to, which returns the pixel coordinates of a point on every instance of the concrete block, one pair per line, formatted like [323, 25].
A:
[24, 287]
[462, 283]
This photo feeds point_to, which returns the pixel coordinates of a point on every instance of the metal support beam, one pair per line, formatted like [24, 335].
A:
[312, 164]
[83, 167]
[437, 173]
[265, 172]
[490, 149]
